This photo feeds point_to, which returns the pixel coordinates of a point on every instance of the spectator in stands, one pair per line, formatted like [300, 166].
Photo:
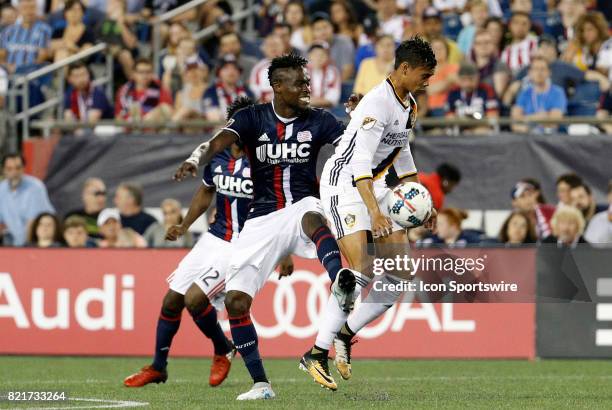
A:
[168, 60]
[584, 50]
[433, 28]
[93, 198]
[189, 102]
[564, 185]
[491, 70]
[118, 33]
[22, 198]
[539, 100]
[567, 227]
[371, 33]
[605, 111]
[143, 98]
[599, 230]
[325, 83]
[109, 225]
[8, 16]
[225, 90]
[449, 230]
[341, 47]
[441, 182]
[497, 29]
[472, 99]
[582, 199]
[75, 233]
[295, 15]
[444, 78]
[156, 234]
[344, 19]
[561, 26]
[227, 25]
[128, 238]
[517, 229]
[272, 47]
[84, 102]
[76, 36]
[4, 83]
[25, 43]
[128, 200]
[374, 70]
[229, 43]
[174, 70]
[283, 31]
[392, 21]
[155, 8]
[527, 197]
[45, 232]
[523, 43]
[563, 74]
[449, 6]
[479, 13]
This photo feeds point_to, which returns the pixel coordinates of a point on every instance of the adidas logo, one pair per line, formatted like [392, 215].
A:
[264, 138]
[218, 169]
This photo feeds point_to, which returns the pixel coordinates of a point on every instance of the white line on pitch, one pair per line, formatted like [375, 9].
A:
[110, 404]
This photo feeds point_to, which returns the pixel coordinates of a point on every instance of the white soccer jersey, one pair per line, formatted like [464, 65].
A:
[375, 138]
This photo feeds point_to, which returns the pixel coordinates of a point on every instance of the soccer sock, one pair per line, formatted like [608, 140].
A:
[327, 251]
[245, 339]
[375, 304]
[206, 320]
[333, 317]
[167, 326]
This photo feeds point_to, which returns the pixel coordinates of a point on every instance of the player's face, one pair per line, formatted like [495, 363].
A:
[517, 229]
[415, 79]
[294, 89]
[76, 237]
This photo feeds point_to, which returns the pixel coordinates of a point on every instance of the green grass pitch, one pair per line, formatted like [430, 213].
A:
[400, 384]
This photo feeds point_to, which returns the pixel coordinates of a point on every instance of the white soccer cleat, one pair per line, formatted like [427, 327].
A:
[343, 289]
[259, 391]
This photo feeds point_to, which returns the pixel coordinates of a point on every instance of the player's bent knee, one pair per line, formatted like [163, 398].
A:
[311, 221]
[237, 303]
[173, 303]
[195, 299]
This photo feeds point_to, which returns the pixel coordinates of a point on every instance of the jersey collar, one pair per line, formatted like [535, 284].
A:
[282, 119]
[397, 97]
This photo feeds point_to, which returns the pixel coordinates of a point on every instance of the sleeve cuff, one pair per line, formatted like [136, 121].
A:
[362, 177]
[234, 131]
[407, 174]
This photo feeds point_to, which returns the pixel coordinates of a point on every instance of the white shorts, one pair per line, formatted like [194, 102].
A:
[206, 266]
[346, 212]
[265, 240]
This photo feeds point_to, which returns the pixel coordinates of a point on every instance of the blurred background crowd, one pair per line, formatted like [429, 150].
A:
[528, 60]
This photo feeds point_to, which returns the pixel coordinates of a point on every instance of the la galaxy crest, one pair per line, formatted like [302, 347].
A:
[350, 218]
[368, 123]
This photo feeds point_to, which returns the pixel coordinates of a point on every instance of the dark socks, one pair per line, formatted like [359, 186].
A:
[327, 251]
[167, 326]
[245, 339]
[319, 353]
[346, 333]
[207, 322]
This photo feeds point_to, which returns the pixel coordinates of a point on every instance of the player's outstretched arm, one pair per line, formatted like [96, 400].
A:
[204, 153]
[199, 204]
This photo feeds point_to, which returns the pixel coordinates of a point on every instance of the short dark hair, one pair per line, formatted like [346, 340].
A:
[537, 186]
[416, 52]
[77, 65]
[142, 60]
[71, 3]
[33, 235]
[282, 25]
[530, 237]
[570, 179]
[134, 190]
[449, 172]
[287, 61]
[13, 155]
[520, 13]
[238, 104]
[585, 186]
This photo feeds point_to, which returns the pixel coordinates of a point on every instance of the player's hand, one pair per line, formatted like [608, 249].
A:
[175, 232]
[352, 102]
[381, 225]
[186, 168]
[285, 267]
[431, 223]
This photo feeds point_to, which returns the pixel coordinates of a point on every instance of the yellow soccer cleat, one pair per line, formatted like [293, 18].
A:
[343, 357]
[319, 370]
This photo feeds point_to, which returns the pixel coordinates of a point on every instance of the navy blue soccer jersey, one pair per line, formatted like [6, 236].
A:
[283, 153]
[231, 178]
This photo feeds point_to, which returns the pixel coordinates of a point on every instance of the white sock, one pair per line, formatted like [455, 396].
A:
[375, 304]
[333, 317]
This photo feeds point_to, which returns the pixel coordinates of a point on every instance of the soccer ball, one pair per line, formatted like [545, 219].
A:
[409, 204]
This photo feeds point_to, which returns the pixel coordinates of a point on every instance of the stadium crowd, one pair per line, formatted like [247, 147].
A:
[528, 59]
